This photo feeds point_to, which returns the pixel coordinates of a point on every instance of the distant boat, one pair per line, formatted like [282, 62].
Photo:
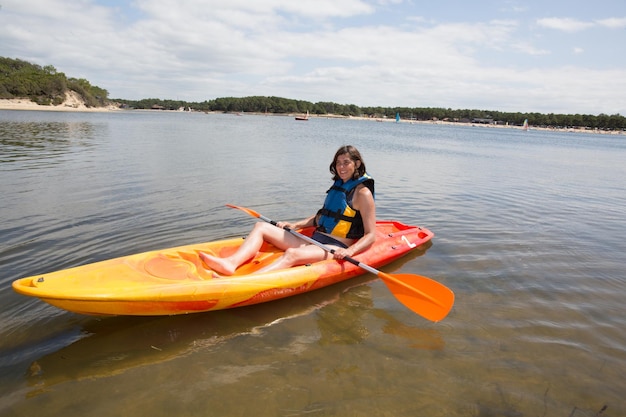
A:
[303, 117]
[525, 125]
[398, 117]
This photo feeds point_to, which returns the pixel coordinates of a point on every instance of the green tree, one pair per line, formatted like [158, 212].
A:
[44, 85]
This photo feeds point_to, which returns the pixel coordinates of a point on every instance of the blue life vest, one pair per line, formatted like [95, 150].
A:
[338, 217]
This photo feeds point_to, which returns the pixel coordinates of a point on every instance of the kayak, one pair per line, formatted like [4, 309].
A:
[176, 281]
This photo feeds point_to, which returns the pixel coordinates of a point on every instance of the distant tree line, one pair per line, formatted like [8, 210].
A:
[261, 104]
[44, 85]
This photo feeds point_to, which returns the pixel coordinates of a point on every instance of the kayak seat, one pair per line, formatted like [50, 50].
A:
[180, 266]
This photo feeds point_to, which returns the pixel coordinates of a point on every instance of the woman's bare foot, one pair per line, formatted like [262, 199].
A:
[217, 264]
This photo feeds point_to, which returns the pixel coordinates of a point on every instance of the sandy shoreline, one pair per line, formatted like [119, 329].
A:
[71, 104]
[74, 104]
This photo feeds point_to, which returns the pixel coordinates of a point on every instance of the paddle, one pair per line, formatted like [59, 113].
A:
[422, 295]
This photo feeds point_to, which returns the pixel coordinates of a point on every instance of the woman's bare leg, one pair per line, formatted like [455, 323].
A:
[262, 232]
[297, 256]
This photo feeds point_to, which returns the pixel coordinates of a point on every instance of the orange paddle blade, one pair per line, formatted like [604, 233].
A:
[247, 210]
[422, 295]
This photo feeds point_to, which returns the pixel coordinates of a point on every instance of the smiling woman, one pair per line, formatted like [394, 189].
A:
[346, 222]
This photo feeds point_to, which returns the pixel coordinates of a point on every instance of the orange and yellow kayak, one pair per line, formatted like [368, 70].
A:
[175, 281]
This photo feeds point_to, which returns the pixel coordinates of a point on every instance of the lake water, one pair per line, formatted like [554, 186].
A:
[530, 235]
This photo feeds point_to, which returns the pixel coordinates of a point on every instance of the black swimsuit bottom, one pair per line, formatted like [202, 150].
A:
[327, 240]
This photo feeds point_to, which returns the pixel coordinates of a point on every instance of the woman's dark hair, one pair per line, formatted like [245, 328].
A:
[355, 155]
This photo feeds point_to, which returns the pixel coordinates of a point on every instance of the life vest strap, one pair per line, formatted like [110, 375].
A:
[335, 215]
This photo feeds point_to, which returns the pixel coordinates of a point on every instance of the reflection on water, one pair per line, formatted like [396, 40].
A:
[529, 233]
[114, 345]
[31, 142]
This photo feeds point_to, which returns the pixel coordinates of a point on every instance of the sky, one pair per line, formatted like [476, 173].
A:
[546, 56]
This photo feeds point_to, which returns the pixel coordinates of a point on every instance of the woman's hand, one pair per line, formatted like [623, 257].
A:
[341, 253]
[309, 221]
[284, 225]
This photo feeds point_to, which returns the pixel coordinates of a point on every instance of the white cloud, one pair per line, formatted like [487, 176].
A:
[574, 25]
[613, 23]
[513, 7]
[529, 49]
[564, 24]
[238, 12]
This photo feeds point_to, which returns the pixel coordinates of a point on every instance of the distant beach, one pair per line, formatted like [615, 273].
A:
[73, 103]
